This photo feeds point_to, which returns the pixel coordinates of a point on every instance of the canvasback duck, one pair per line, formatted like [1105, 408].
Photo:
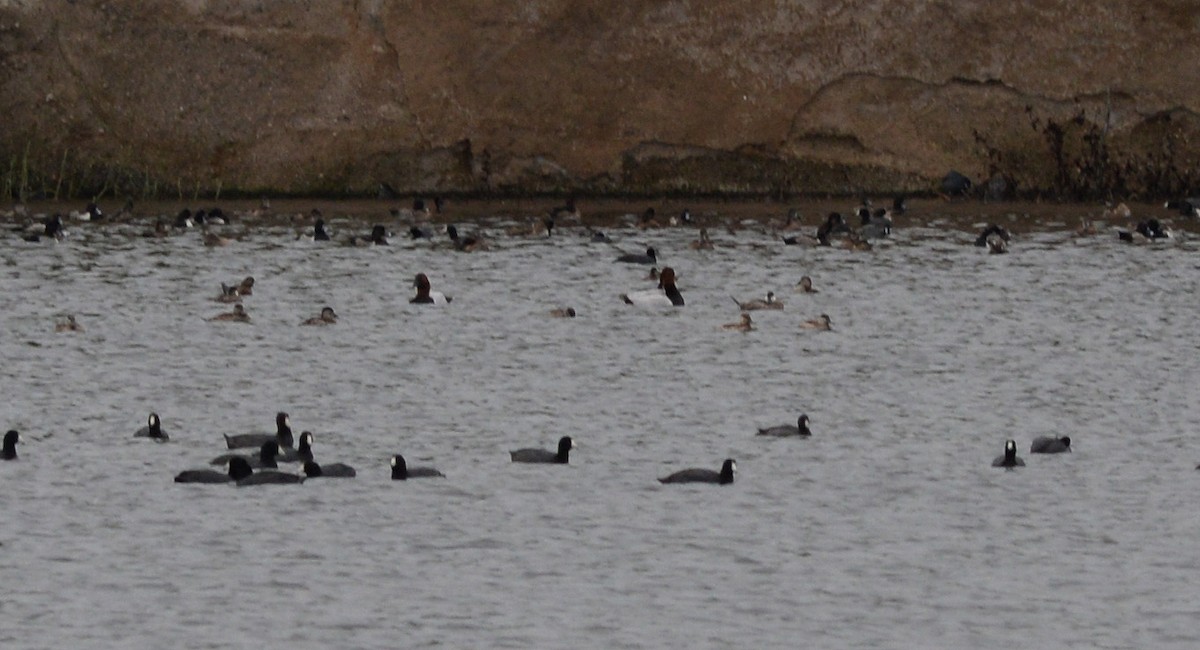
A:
[801, 429]
[1009, 457]
[282, 435]
[68, 324]
[425, 296]
[666, 295]
[704, 243]
[699, 475]
[1050, 445]
[532, 455]
[402, 472]
[326, 317]
[743, 325]
[770, 302]
[650, 257]
[238, 315]
[152, 430]
[9, 452]
[567, 312]
[805, 285]
[822, 322]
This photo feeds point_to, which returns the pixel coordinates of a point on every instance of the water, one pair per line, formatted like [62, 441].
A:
[888, 528]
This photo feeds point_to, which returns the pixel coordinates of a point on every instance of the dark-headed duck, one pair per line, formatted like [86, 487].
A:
[425, 296]
[666, 295]
[326, 317]
[238, 315]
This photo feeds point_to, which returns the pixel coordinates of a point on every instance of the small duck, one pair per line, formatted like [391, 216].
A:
[9, 452]
[666, 295]
[791, 221]
[1119, 211]
[1086, 228]
[532, 455]
[597, 237]
[160, 230]
[743, 325]
[425, 296]
[320, 232]
[704, 243]
[805, 285]
[1049, 445]
[1149, 229]
[652, 274]
[997, 245]
[835, 224]
[875, 224]
[783, 430]
[770, 302]
[238, 315]
[648, 220]
[992, 231]
[152, 430]
[402, 472]
[1187, 207]
[821, 323]
[699, 475]
[229, 295]
[68, 324]
[1009, 458]
[419, 232]
[563, 312]
[51, 229]
[633, 258]
[326, 317]
[245, 287]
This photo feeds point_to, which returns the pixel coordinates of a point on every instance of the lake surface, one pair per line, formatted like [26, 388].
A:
[888, 528]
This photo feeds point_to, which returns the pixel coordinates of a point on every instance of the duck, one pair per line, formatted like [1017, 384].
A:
[704, 243]
[666, 295]
[1050, 445]
[1186, 207]
[229, 295]
[598, 237]
[152, 430]
[1119, 211]
[9, 451]
[648, 220]
[530, 455]
[419, 232]
[238, 315]
[425, 296]
[245, 287]
[563, 312]
[1086, 228]
[320, 232]
[874, 225]
[332, 470]
[183, 219]
[791, 221]
[954, 184]
[743, 325]
[1149, 229]
[650, 257]
[68, 324]
[326, 317]
[805, 285]
[652, 274]
[51, 229]
[465, 243]
[282, 435]
[378, 237]
[160, 230]
[835, 224]
[402, 472]
[212, 239]
[238, 470]
[992, 231]
[1009, 458]
[783, 430]
[699, 475]
[997, 245]
[770, 302]
[267, 457]
[822, 322]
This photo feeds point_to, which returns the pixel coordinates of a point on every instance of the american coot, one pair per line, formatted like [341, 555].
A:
[699, 475]
[1049, 445]
[1009, 459]
[565, 445]
[302, 452]
[152, 430]
[283, 435]
[801, 429]
[10, 445]
[332, 470]
[239, 469]
[402, 472]
[266, 459]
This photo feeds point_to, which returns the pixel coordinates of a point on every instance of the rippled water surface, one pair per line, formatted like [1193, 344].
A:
[888, 528]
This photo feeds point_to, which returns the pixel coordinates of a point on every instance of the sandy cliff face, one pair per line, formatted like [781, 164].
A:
[757, 96]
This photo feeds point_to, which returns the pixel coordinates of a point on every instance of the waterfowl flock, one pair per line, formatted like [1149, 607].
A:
[262, 465]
